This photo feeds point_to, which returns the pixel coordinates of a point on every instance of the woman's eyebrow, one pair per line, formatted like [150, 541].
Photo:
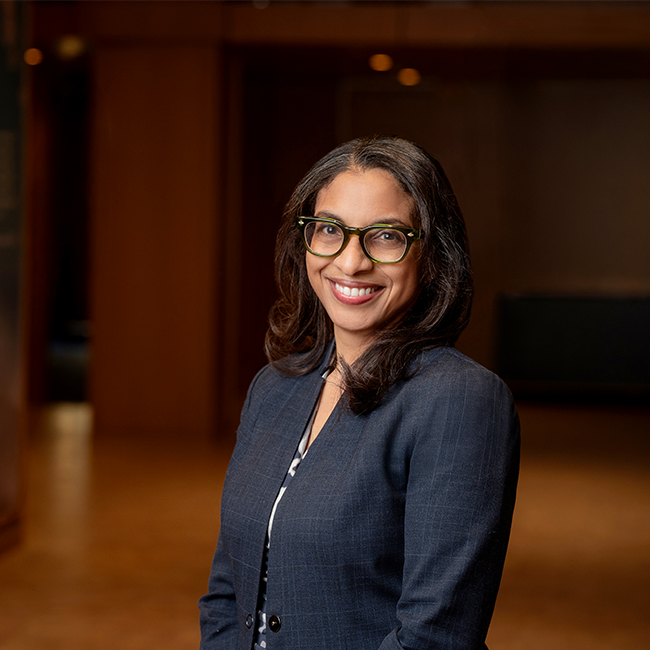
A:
[389, 221]
[393, 221]
[323, 214]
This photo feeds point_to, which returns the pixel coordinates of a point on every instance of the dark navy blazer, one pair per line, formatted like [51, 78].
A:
[393, 532]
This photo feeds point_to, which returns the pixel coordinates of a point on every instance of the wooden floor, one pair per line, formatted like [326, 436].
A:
[119, 538]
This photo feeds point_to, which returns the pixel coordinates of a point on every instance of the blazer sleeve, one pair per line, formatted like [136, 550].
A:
[218, 608]
[459, 503]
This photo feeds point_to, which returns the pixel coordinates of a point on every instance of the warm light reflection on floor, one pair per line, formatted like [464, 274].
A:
[66, 462]
[119, 534]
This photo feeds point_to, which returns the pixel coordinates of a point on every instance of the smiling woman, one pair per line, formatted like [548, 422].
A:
[382, 180]
[367, 505]
[362, 296]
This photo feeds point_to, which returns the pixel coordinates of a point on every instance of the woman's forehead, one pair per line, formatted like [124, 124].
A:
[370, 195]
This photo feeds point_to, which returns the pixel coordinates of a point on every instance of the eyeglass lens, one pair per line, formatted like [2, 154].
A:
[383, 244]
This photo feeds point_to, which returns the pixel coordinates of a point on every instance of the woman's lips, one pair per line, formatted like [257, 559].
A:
[354, 294]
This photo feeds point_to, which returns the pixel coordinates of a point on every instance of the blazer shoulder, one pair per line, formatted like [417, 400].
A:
[452, 395]
[444, 373]
[449, 363]
[270, 387]
[267, 380]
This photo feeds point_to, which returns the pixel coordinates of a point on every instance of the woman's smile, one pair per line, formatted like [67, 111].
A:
[344, 291]
[359, 295]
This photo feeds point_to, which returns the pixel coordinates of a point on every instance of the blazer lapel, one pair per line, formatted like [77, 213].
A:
[280, 433]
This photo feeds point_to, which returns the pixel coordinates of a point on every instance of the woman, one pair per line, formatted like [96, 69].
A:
[368, 501]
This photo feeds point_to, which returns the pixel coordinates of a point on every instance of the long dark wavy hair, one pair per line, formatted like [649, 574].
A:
[299, 327]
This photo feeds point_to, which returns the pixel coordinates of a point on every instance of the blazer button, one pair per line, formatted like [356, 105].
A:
[249, 621]
[275, 623]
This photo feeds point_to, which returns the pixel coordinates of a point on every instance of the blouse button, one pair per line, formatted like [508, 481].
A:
[275, 623]
[249, 621]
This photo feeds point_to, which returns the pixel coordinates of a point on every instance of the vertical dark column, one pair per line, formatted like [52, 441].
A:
[10, 264]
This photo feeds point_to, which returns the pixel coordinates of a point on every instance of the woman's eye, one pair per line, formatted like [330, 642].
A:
[327, 230]
[388, 237]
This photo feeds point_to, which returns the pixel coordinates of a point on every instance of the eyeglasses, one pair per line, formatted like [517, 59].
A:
[382, 243]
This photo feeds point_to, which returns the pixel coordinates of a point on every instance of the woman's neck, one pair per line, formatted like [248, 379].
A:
[350, 345]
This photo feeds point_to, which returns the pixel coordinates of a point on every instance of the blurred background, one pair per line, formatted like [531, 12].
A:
[146, 152]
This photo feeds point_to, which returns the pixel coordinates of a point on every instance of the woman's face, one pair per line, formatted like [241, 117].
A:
[359, 295]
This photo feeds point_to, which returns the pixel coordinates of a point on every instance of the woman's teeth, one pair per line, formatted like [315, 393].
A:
[346, 291]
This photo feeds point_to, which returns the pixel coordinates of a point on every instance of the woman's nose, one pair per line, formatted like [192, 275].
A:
[353, 260]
